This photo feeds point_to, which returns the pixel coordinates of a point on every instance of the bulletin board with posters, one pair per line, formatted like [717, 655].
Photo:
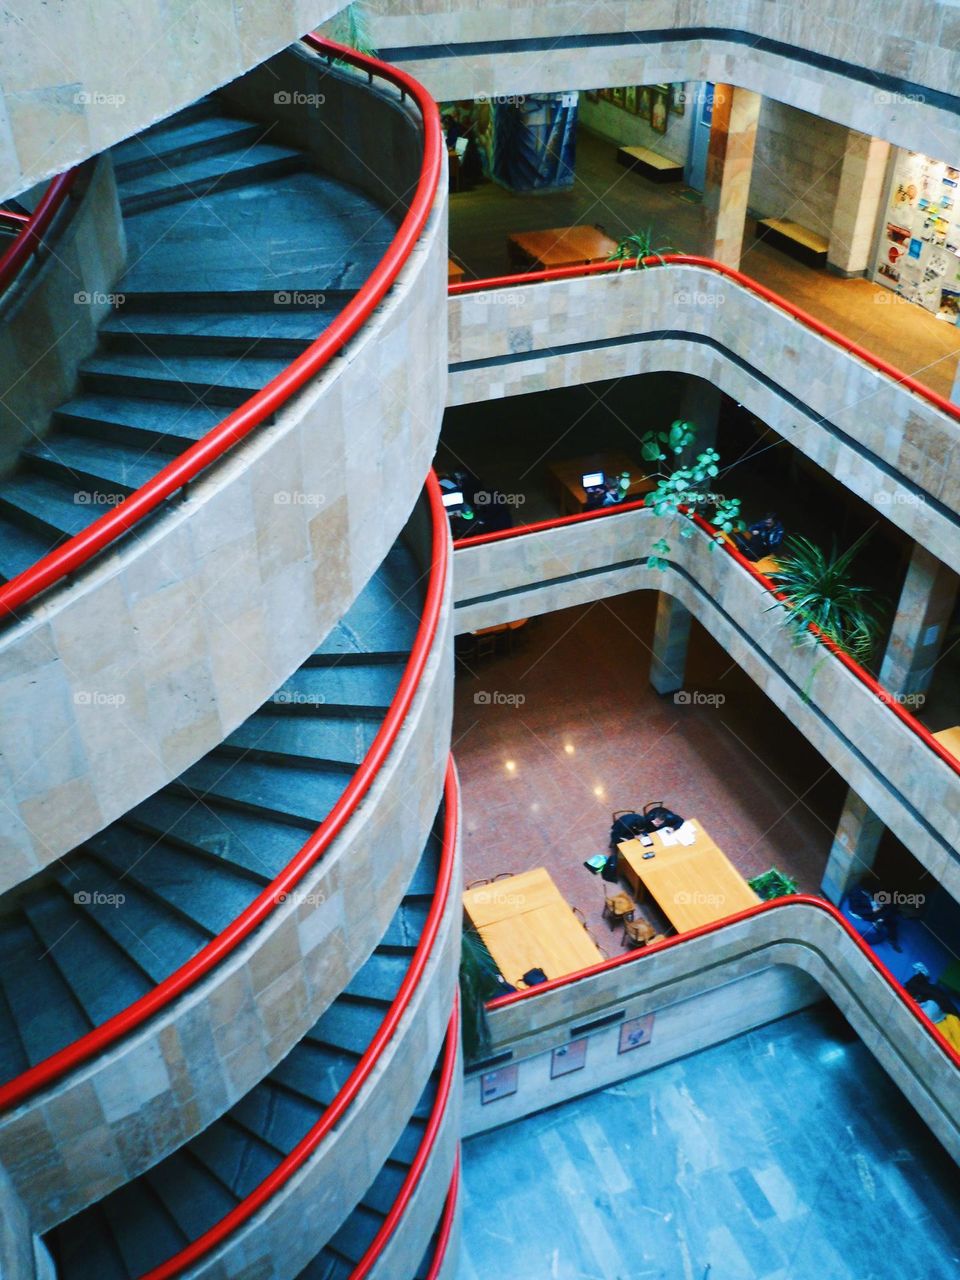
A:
[919, 243]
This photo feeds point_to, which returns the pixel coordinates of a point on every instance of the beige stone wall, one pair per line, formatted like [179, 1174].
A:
[115, 684]
[915, 41]
[914, 792]
[108, 1121]
[886, 444]
[717, 974]
[77, 77]
[49, 318]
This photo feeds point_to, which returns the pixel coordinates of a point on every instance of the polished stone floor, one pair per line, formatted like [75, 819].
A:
[623, 202]
[785, 1154]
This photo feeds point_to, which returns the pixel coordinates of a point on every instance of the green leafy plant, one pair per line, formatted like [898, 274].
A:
[639, 245]
[351, 27]
[818, 589]
[685, 491]
[479, 982]
[773, 884]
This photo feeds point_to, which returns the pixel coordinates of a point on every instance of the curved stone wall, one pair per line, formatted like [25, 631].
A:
[115, 684]
[885, 443]
[916, 794]
[109, 1120]
[894, 76]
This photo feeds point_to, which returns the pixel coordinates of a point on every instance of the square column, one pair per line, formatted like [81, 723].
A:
[671, 635]
[733, 136]
[854, 848]
[923, 613]
[862, 178]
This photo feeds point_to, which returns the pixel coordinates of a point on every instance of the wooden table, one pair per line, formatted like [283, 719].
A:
[950, 738]
[526, 924]
[569, 493]
[560, 247]
[691, 884]
[454, 272]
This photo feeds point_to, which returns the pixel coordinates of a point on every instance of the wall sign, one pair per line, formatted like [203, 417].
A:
[567, 1058]
[499, 1084]
[919, 253]
[635, 1032]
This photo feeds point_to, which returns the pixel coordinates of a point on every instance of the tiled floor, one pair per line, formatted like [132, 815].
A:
[624, 202]
[540, 777]
[785, 1154]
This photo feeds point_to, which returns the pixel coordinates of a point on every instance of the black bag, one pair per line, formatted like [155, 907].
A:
[609, 871]
[533, 977]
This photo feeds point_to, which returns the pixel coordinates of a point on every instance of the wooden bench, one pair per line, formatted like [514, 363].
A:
[656, 168]
[796, 241]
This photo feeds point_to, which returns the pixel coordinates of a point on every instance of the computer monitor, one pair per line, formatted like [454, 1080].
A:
[452, 500]
[592, 479]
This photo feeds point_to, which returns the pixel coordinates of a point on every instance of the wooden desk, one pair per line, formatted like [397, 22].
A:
[950, 738]
[454, 272]
[691, 884]
[569, 493]
[526, 924]
[560, 247]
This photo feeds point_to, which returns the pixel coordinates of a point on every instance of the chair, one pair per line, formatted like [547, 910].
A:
[475, 884]
[618, 907]
[503, 875]
[637, 933]
[654, 804]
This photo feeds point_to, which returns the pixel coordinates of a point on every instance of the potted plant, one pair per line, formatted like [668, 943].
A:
[480, 981]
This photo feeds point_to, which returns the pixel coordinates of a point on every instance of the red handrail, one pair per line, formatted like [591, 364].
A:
[310, 1142]
[35, 226]
[753, 286]
[164, 993]
[424, 1151]
[701, 931]
[446, 1223]
[79, 550]
[13, 217]
[870, 682]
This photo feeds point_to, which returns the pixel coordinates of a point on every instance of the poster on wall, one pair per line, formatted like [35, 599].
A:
[644, 96]
[630, 98]
[678, 98]
[659, 107]
[498, 1084]
[567, 1058]
[919, 251]
[635, 1032]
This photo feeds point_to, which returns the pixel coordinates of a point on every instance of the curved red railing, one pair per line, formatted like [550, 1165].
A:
[277, 1179]
[702, 931]
[446, 1223]
[80, 549]
[870, 682]
[424, 1151]
[730, 273]
[34, 227]
[164, 993]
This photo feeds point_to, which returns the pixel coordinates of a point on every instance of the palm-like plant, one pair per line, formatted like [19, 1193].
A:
[639, 246]
[818, 589]
[479, 982]
[352, 27]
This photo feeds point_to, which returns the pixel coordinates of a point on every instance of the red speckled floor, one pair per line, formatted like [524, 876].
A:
[541, 776]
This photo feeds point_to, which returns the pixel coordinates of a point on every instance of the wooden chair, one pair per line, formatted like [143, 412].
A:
[618, 907]
[637, 933]
[475, 884]
[503, 875]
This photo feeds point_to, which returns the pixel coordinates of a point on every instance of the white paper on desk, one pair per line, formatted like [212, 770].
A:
[686, 834]
[667, 838]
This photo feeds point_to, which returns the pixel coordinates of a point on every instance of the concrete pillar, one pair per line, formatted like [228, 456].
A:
[700, 404]
[926, 604]
[854, 848]
[733, 136]
[862, 178]
[671, 635]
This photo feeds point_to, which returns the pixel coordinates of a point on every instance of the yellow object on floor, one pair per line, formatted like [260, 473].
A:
[949, 1028]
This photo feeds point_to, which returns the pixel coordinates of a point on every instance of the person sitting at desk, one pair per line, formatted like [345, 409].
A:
[630, 826]
[761, 539]
[884, 916]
